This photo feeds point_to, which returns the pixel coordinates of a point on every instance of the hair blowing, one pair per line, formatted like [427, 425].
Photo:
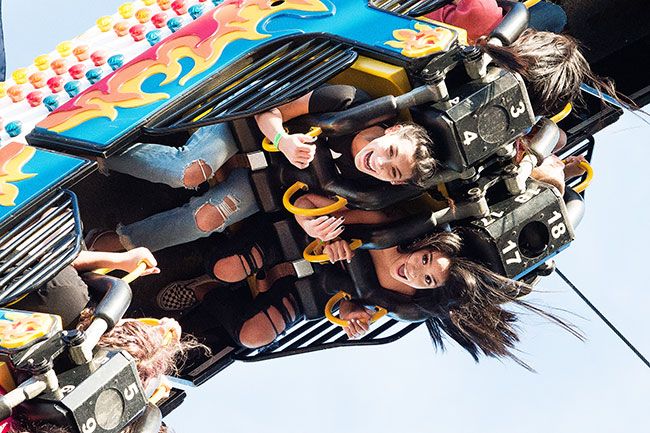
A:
[425, 164]
[469, 307]
[153, 358]
[552, 66]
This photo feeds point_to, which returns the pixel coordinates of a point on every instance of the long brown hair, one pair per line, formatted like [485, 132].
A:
[469, 307]
[153, 356]
[552, 66]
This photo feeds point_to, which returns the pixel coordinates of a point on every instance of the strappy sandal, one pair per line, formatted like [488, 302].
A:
[180, 295]
[275, 298]
[248, 263]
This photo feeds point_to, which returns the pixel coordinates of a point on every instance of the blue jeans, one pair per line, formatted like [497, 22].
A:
[222, 205]
[548, 17]
[214, 145]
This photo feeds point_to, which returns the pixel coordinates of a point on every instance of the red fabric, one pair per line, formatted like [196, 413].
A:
[478, 17]
[5, 425]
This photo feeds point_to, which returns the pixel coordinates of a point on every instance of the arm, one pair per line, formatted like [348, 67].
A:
[329, 227]
[296, 147]
[358, 318]
[126, 261]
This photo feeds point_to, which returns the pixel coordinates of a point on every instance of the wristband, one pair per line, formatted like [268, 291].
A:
[277, 138]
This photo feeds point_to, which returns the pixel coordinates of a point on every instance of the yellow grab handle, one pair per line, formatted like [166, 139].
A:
[381, 312]
[530, 3]
[170, 334]
[162, 392]
[562, 114]
[308, 253]
[267, 145]
[129, 278]
[590, 175]
[313, 212]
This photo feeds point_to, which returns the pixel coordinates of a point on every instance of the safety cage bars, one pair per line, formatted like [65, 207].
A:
[39, 246]
[321, 334]
[305, 337]
[280, 73]
[412, 8]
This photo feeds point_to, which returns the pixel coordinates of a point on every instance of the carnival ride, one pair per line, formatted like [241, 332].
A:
[144, 75]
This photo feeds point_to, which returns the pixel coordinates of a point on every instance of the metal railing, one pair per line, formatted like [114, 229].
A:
[38, 247]
[286, 72]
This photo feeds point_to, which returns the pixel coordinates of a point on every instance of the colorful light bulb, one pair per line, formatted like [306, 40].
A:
[116, 61]
[37, 79]
[175, 24]
[104, 23]
[20, 75]
[77, 71]
[99, 57]
[126, 10]
[81, 52]
[14, 128]
[35, 98]
[42, 62]
[72, 88]
[51, 102]
[94, 75]
[55, 84]
[64, 48]
[196, 11]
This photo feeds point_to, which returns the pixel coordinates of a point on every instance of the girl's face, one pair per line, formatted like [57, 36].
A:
[390, 158]
[422, 269]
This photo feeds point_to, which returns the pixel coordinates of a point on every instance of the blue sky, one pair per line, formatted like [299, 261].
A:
[596, 386]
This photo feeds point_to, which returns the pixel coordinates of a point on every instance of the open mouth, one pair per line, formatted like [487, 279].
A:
[366, 161]
[401, 271]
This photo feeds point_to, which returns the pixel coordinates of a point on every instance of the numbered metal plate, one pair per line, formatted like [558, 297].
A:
[525, 230]
[483, 118]
[102, 396]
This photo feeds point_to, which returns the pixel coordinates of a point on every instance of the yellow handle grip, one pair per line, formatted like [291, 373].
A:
[530, 3]
[267, 145]
[313, 212]
[170, 334]
[381, 312]
[308, 253]
[162, 392]
[590, 175]
[562, 114]
[129, 278]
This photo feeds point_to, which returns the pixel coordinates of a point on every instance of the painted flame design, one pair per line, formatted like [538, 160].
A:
[13, 157]
[232, 20]
[422, 41]
[18, 329]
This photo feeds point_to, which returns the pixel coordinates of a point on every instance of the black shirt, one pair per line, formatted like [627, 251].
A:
[331, 98]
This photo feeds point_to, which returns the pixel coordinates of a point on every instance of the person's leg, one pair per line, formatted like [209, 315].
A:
[224, 204]
[65, 295]
[244, 254]
[179, 167]
[548, 17]
[255, 323]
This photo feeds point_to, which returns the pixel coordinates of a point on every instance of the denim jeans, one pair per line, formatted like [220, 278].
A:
[548, 17]
[213, 145]
[233, 199]
[227, 202]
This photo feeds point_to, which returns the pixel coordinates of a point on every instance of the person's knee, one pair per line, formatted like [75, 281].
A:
[258, 331]
[213, 217]
[196, 173]
[230, 269]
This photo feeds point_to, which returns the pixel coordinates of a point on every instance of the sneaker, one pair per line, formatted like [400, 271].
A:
[180, 295]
